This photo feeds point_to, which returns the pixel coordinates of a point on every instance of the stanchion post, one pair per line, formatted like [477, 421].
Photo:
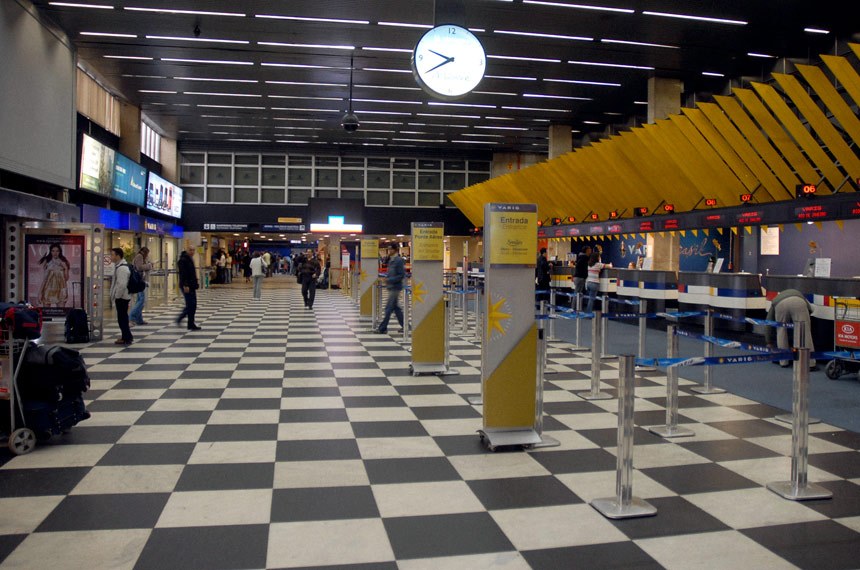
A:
[551, 326]
[643, 329]
[624, 505]
[406, 312]
[671, 429]
[595, 393]
[799, 333]
[546, 441]
[799, 488]
[544, 313]
[374, 301]
[464, 325]
[707, 387]
[604, 354]
[579, 347]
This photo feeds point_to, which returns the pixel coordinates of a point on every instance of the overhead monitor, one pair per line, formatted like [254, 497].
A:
[163, 197]
[336, 215]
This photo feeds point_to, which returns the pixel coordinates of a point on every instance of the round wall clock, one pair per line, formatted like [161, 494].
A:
[448, 61]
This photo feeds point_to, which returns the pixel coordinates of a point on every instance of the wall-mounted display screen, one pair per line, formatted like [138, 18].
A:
[163, 197]
[129, 181]
[97, 166]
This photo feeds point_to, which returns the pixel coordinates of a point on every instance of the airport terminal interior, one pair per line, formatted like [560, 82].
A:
[626, 334]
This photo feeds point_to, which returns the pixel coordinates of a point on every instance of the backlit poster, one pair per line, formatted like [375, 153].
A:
[163, 197]
[54, 277]
[97, 167]
[129, 181]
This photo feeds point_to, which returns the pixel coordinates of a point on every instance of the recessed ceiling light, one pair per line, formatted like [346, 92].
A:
[697, 18]
[192, 12]
[640, 102]
[511, 77]
[213, 79]
[642, 44]
[307, 19]
[483, 135]
[156, 91]
[395, 101]
[131, 57]
[186, 39]
[405, 25]
[474, 142]
[208, 94]
[306, 110]
[536, 109]
[314, 46]
[591, 122]
[311, 97]
[602, 64]
[387, 70]
[393, 50]
[297, 65]
[712, 74]
[476, 106]
[448, 116]
[81, 5]
[366, 112]
[492, 128]
[762, 55]
[495, 93]
[229, 107]
[580, 82]
[308, 83]
[144, 76]
[538, 95]
[580, 6]
[364, 86]
[108, 35]
[212, 61]
[815, 31]
[518, 58]
[537, 35]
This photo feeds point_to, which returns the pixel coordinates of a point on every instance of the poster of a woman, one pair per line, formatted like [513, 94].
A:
[55, 271]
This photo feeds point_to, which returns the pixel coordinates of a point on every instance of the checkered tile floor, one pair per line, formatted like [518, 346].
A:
[279, 437]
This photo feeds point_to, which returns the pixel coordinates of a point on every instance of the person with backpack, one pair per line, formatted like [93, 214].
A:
[188, 284]
[120, 296]
[143, 266]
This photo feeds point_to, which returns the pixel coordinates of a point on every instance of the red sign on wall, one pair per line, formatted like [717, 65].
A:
[847, 334]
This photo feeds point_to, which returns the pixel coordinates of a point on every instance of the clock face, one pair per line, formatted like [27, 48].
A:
[448, 61]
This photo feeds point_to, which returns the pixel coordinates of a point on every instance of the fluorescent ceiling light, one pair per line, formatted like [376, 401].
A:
[311, 97]
[557, 97]
[421, 140]
[208, 94]
[306, 110]
[491, 118]
[364, 86]
[439, 104]
[381, 123]
[250, 140]
[447, 116]
[215, 79]
[366, 112]
[483, 135]
[643, 44]
[108, 35]
[492, 128]
[580, 6]
[762, 55]
[405, 25]
[474, 142]
[307, 19]
[807, 30]
[298, 65]
[192, 12]
[640, 102]
[517, 58]
[294, 128]
[712, 74]
[156, 91]
[578, 82]
[618, 65]
[144, 76]
[132, 57]
[591, 122]
[387, 70]
[302, 119]
[314, 46]
[537, 35]
[308, 83]
[81, 5]
[511, 77]
[697, 18]
[230, 107]
[499, 93]
[209, 40]
[394, 50]
[536, 109]
[214, 61]
[387, 101]
[612, 114]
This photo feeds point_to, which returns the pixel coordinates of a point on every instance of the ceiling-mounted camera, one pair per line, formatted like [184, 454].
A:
[196, 31]
[349, 122]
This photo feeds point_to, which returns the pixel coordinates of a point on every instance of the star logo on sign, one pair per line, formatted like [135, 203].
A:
[418, 292]
[495, 316]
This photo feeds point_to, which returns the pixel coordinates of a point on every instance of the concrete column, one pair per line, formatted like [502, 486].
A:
[560, 140]
[508, 162]
[664, 97]
[129, 128]
[665, 250]
[169, 159]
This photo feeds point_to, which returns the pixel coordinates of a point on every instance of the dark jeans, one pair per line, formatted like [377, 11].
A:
[190, 308]
[309, 290]
[542, 285]
[122, 318]
[392, 306]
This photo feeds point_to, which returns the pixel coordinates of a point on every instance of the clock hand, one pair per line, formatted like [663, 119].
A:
[439, 54]
[448, 60]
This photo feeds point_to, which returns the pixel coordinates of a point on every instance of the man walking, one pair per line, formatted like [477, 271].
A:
[394, 283]
[188, 284]
[120, 296]
[309, 273]
[258, 271]
[143, 266]
[542, 275]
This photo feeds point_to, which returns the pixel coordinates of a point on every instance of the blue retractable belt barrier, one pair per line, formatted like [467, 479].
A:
[717, 360]
[682, 315]
[753, 321]
[624, 301]
[725, 343]
[619, 316]
[573, 315]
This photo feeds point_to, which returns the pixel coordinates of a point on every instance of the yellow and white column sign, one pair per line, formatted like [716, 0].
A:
[509, 350]
[369, 275]
[428, 304]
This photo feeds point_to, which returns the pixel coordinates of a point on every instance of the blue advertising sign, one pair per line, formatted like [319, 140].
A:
[129, 181]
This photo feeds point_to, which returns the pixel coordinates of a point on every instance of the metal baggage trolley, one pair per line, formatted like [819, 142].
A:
[846, 336]
[21, 439]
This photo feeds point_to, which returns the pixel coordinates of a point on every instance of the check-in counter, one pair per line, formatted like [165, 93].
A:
[737, 294]
[609, 280]
[658, 287]
[561, 277]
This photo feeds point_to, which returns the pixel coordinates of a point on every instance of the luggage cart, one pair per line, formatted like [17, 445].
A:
[846, 336]
[21, 439]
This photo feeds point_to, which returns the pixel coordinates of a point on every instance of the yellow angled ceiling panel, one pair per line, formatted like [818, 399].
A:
[641, 189]
[579, 171]
[758, 141]
[855, 48]
[816, 79]
[728, 187]
[770, 186]
[635, 152]
[615, 188]
[724, 149]
[845, 73]
[820, 123]
[577, 196]
[671, 178]
[807, 142]
[777, 134]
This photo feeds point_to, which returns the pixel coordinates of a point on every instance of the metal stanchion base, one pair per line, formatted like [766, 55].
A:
[787, 490]
[495, 439]
[788, 418]
[645, 369]
[550, 371]
[424, 368]
[475, 400]
[668, 431]
[611, 508]
[704, 390]
[579, 349]
[591, 396]
[546, 441]
[363, 319]
[608, 357]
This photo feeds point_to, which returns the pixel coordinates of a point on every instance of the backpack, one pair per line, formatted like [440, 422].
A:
[23, 320]
[77, 328]
[136, 284]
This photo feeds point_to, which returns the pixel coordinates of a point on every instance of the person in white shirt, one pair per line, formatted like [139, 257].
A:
[258, 271]
[120, 296]
[592, 282]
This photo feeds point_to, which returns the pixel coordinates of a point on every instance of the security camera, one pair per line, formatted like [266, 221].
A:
[196, 31]
[349, 122]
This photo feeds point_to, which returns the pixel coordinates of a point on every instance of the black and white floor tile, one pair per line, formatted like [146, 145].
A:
[280, 437]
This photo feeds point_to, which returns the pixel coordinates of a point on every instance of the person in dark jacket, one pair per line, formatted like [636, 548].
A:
[309, 272]
[790, 306]
[542, 275]
[394, 283]
[580, 270]
[188, 284]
